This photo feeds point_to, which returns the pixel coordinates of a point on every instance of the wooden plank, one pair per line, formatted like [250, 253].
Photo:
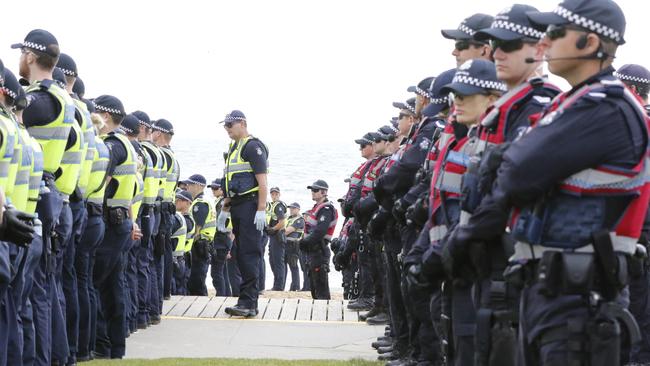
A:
[304, 309]
[289, 309]
[230, 301]
[319, 310]
[182, 306]
[273, 309]
[169, 304]
[212, 307]
[262, 302]
[197, 307]
[335, 311]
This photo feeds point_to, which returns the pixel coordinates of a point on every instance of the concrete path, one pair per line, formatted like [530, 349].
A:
[195, 327]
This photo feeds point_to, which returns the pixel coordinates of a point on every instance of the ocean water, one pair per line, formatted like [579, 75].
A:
[293, 165]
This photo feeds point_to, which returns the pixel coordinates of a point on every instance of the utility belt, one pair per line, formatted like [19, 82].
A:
[146, 210]
[157, 207]
[178, 254]
[168, 207]
[94, 209]
[236, 200]
[116, 215]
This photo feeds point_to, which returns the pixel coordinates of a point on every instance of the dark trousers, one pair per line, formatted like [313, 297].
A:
[365, 255]
[249, 251]
[90, 239]
[165, 235]
[70, 286]
[276, 260]
[261, 278]
[26, 310]
[640, 308]
[304, 265]
[131, 277]
[110, 284]
[234, 275]
[319, 273]
[219, 272]
[463, 320]
[18, 258]
[291, 261]
[199, 270]
[60, 346]
[396, 308]
[148, 221]
[178, 282]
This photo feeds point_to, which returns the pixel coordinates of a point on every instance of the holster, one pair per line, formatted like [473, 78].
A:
[115, 215]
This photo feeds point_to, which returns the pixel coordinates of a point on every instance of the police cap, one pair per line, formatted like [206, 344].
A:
[13, 90]
[195, 179]
[234, 116]
[274, 189]
[408, 105]
[423, 87]
[79, 87]
[40, 40]
[474, 77]
[319, 184]
[439, 100]
[109, 104]
[468, 27]
[511, 24]
[633, 73]
[294, 205]
[67, 65]
[130, 125]
[163, 126]
[216, 184]
[367, 139]
[143, 118]
[184, 195]
[59, 77]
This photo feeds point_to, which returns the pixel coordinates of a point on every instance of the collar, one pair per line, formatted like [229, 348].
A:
[606, 72]
[460, 130]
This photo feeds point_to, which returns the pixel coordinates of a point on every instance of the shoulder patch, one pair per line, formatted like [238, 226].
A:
[542, 99]
[258, 150]
[425, 143]
[196, 208]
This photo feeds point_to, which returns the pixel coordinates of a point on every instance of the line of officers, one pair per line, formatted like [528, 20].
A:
[88, 201]
[500, 221]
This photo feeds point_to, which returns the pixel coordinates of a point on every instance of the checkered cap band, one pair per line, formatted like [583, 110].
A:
[195, 182]
[517, 28]
[485, 84]
[107, 109]
[9, 92]
[158, 128]
[144, 123]
[421, 92]
[408, 106]
[443, 100]
[126, 129]
[35, 46]
[590, 24]
[230, 118]
[66, 71]
[631, 78]
[368, 142]
[465, 29]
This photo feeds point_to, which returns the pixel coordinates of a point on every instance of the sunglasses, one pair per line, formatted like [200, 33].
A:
[554, 32]
[363, 146]
[463, 44]
[404, 115]
[314, 190]
[510, 46]
[229, 124]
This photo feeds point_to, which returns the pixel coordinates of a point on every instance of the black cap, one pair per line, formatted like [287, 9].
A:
[319, 184]
[143, 118]
[423, 87]
[40, 40]
[510, 24]
[163, 126]
[474, 77]
[2, 70]
[79, 87]
[13, 90]
[234, 116]
[603, 17]
[367, 139]
[274, 189]
[130, 125]
[109, 104]
[408, 105]
[394, 121]
[468, 27]
[195, 179]
[184, 195]
[59, 77]
[67, 65]
[377, 136]
[631, 72]
[89, 104]
[294, 205]
[388, 130]
[215, 184]
[439, 99]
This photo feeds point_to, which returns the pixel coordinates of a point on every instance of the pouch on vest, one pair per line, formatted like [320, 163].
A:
[549, 273]
[242, 183]
[578, 273]
[471, 197]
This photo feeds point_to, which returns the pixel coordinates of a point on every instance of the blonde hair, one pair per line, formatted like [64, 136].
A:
[98, 122]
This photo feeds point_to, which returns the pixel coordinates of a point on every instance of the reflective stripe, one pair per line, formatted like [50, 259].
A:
[241, 167]
[112, 202]
[178, 253]
[99, 166]
[210, 224]
[96, 200]
[4, 168]
[449, 182]
[22, 177]
[595, 179]
[71, 157]
[524, 251]
[50, 133]
[437, 233]
[125, 169]
[148, 200]
[34, 181]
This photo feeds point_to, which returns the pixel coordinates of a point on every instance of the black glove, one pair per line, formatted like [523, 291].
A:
[270, 231]
[399, 211]
[335, 245]
[490, 163]
[303, 245]
[377, 224]
[414, 276]
[456, 258]
[17, 227]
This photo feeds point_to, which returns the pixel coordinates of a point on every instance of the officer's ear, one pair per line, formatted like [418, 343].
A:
[592, 43]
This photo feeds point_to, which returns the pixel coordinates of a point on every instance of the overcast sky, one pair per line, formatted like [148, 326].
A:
[327, 70]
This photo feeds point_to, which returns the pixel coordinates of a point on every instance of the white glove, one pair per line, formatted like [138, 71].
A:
[221, 221]
[260, 220]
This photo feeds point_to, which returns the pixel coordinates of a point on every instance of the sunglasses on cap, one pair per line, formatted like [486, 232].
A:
[463, 44]
[510, 46]
[554, 32]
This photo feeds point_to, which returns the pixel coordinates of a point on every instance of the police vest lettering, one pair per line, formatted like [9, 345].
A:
[209, 228]
[172, 174]
[125, 176]
[35, 176]
[155, 186]
[89, 143]
[603, 197]
[312, 219]
[97, 179]
[53, 136]
[7, 148]
[21, 188]
[240, 178]
[70, 167]
[298, 233]
[180, 235]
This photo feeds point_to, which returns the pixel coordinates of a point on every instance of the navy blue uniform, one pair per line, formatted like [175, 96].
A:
[277, 249]
[200, 252]
[318, 254]
[292, 257]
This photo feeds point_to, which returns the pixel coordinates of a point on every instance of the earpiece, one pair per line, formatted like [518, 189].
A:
[582, 42]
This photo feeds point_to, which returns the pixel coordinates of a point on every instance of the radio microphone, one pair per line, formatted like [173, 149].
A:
[595, 56]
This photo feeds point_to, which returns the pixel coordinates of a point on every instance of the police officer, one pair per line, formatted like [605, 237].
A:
[276, 212]
[294, 231]
[220, 247]
[179, 241]
[637, 78]
[163, 131]
[568, 302]
[48, 117]
[111, 253]
[204, 214]
[319, 228]
[245, 187]
[466, 47]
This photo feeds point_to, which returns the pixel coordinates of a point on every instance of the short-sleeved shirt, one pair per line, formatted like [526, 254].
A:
[256, 155]
[42, 109]
[117, 155]
[200, 211]
[280, 212]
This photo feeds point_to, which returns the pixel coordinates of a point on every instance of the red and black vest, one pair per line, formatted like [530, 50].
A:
[312, 219]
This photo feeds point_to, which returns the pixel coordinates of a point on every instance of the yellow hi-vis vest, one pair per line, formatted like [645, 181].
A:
[71, 163]
[150, 180]
[209, 228]
[125, 175]
[155, 187]
[53, 137]
[189, 240]
[9, 142]
[173, 172]
[299, 233]
[97, 179]
[21, 188]
[270, 212]
[138, 195]
[89, 145]
[180, 235]
[35, 176]
[239, 176]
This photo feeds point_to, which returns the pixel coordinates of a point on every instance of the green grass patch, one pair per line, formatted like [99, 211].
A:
[229, 362]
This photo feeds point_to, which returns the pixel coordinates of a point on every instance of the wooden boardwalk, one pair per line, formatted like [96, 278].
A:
[269, 309]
